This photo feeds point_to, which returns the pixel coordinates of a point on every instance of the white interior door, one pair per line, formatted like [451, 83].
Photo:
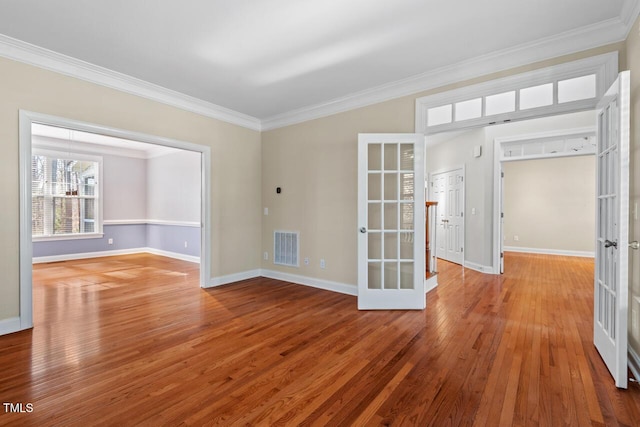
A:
[612, 229]
[391, 216]
[448, 191]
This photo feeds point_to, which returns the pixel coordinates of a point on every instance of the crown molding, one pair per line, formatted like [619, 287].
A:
[584, 38]
[600, 34]
[27, 53]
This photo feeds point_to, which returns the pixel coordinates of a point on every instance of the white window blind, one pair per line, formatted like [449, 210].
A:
[65, 193]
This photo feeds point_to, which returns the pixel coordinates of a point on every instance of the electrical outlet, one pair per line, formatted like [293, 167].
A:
[266, 211]
[266, 256]
[306, 261]
[634, 323]
[110, 241]
[322, 263]
[185, 244]
[516, 238]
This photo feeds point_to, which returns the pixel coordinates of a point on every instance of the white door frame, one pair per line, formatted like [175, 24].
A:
[498, 190]
[464, 201]
[26, 244]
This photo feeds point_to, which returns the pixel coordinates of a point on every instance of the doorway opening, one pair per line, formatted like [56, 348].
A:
[544, 185]
[92, 213]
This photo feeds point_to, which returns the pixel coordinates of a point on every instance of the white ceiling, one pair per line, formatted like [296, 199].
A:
[270, 58]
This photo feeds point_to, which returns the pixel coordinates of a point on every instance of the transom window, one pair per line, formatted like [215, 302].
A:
[65, 192]
[571, 86]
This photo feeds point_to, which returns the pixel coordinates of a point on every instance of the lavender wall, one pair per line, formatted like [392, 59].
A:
[172, 238]
[168, 238]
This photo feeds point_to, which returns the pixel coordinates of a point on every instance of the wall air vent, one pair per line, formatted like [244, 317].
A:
[286, 250]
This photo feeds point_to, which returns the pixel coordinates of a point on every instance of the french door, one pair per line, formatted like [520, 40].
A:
[391, 215]
[612, 229]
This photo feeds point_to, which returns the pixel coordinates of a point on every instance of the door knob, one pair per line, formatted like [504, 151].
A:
[609, 243]
[363, 229]
[634, 245]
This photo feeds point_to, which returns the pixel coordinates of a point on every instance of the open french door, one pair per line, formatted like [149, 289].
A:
[612, 229]
[391, 212]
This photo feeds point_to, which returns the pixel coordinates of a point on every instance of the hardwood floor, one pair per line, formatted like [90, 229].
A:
[132, 340]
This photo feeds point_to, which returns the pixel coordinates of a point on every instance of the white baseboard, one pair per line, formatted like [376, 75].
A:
[430, 283]
[85, 255]
[309, 281]
[175, 255]
[487, 269]
[10, 325]
[561, 252]
[231, 278]
[634, 363]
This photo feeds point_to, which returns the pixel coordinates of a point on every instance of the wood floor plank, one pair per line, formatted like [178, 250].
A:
[133, 340]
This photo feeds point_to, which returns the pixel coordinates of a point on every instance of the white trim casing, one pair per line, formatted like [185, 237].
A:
[560, 252]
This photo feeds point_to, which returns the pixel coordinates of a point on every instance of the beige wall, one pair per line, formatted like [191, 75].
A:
[633, 63]
[315, 163]
[236, 161]
[550, 204]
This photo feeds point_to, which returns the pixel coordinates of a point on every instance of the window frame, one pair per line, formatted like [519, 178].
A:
[604, 67]
[52, 154]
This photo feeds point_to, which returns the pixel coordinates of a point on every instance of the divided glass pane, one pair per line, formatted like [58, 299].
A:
[375, 157]
[406, 157]
[375, 275]
[406, 245]
[374, 216]
[466, 110]
[406, 275]
[439, 115]
[390, 216]
[390, 186]
[536, 96]
[406, 216]
[390, 246]
[375, 245]
[407, 186]
[500, 103]
[577, 88]
[390, 157]
[391, 275]
[375, 186]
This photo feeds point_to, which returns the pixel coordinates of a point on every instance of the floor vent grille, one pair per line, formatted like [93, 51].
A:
[285, 248]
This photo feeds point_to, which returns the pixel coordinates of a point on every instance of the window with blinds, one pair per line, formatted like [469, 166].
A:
[65, 194]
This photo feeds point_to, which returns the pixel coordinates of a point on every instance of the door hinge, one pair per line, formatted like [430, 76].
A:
[501, 254]
[501, 174]
[501, 214]
[461, 214]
